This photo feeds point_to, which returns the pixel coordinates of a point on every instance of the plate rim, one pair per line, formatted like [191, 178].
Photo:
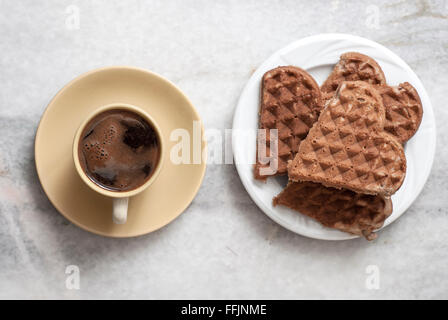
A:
[79, 78]
[288, 47]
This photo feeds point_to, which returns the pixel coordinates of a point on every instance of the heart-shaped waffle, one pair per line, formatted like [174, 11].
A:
[345, 210]
[353, 66]
[290, 102]
[402, 103]
[403, 110]
[348, 147]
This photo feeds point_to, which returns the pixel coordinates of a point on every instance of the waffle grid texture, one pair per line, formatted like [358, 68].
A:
[345, 210]
[404, 110]
[353, 66]
[290, 102]
[348, 147]
[403, 106]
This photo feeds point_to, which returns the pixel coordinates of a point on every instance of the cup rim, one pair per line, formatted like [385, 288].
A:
[83, 175]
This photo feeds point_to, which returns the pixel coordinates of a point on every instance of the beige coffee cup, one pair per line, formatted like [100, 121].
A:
[120, 198]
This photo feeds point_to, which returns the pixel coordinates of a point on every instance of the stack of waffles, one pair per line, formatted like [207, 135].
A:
[341, 145]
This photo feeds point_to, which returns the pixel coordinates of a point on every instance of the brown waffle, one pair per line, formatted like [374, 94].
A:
[348, 147]
[353, 66]
[345, 210]
[403, 106]
[290, 102]
[403, 110]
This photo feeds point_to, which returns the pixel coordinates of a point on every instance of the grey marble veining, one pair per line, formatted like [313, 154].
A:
[223, 246]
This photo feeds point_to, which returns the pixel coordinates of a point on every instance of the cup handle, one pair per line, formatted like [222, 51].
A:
[120, 210]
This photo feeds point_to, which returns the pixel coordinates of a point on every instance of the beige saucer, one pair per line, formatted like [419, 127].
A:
[160, 203]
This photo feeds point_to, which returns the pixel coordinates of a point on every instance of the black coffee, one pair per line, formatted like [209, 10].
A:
[119, 150]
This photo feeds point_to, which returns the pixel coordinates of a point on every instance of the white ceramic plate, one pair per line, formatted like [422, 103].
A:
[318, 54]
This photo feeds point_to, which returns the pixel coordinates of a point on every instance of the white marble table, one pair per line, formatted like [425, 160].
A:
[223, 246]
